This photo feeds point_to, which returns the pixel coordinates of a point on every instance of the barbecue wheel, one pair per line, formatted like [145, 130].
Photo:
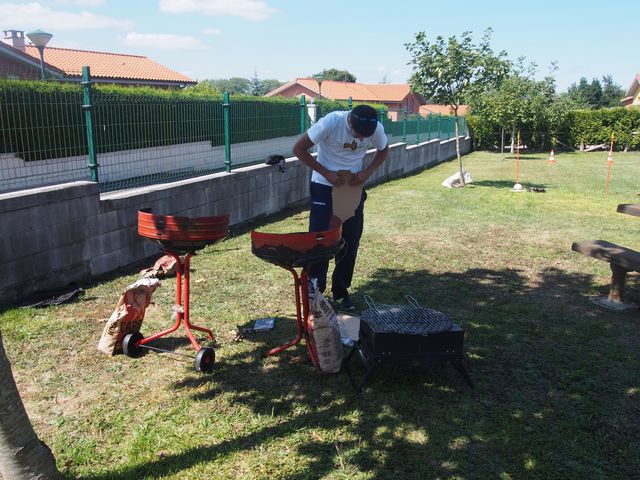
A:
[130, 345]
[205, 359]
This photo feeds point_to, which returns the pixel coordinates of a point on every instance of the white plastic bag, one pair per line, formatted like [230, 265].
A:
[453, 181]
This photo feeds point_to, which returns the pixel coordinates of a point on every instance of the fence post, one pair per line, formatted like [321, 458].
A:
[404, 124]
[429, 127]
[350, 103]
[417, 129]
[303, 113]
[88, 118]
[448, 128]
[227, 134]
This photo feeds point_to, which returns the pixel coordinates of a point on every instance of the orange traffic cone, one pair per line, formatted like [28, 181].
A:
[552, 158]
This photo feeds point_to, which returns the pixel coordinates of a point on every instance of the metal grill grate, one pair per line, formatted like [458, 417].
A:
[405, 319]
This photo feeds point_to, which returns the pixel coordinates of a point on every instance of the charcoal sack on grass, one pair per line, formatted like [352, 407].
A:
[325, 333]
[128, 315]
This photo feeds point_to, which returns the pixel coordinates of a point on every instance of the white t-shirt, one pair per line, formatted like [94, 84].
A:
[338, 149]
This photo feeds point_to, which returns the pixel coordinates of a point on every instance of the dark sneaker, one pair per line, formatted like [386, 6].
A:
[344, 304]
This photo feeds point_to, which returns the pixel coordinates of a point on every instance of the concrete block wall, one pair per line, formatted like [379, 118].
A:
[57, 235]
[44, 239]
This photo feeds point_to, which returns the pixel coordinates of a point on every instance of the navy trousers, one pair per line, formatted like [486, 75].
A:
[319, 216]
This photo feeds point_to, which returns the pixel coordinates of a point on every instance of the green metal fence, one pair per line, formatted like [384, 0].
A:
[122, 138]
[417, 128]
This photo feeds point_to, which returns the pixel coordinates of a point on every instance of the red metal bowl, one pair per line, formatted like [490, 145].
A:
[299, 241]
[300, 248]
[173, 231]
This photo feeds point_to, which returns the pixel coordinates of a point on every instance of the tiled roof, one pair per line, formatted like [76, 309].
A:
[634, 86]
[9, 52]
[373, 92]
[108, 65]
[390, 92]
[441, 109]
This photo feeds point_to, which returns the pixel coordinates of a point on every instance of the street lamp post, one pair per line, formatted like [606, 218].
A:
[40, 40]
[319, 78]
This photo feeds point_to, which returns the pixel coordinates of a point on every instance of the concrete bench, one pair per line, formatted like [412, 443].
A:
[621, 260]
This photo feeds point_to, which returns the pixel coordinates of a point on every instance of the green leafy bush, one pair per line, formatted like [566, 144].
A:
[574, 128]
[40, 120]
[593, 127]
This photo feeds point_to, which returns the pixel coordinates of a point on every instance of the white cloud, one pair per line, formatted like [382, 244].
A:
[212, 31]
[161, 41]
[81, 3]
[36, 15]
[253, 10]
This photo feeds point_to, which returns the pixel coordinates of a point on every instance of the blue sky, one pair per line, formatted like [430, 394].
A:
[284, 39]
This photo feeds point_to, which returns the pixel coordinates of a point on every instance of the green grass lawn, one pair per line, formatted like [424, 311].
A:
[557, 380]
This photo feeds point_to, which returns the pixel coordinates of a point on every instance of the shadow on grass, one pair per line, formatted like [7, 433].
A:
[506, 184]
[526, 156]
[552, 379]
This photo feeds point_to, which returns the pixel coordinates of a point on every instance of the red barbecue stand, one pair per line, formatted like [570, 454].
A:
[179, 237]
[299, 250]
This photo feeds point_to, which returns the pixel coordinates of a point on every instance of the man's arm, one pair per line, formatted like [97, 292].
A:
[362, 176]
[301, 150]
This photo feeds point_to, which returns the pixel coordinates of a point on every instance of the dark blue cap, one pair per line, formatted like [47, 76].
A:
[364, 120]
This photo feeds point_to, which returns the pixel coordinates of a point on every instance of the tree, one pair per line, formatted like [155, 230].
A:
[557, 116]
[237, 86]
[22, 455]
[584, 94]
[271, 84]
[612, 92]
[337, 75]
[518, 101]
[597, 94]
[255, 85]
[234, 85]
[521, 102]
[504, 106]
[204, 87]
[450, 70]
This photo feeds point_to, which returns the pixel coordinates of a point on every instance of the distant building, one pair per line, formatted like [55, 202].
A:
[435, 109]
[19, 60]
[632, 98]
[394, 96]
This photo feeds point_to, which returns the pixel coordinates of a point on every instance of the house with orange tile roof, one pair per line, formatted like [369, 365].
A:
[435, 109]
[632, 98]
[395, 96]
[17, 61]
[16, 64]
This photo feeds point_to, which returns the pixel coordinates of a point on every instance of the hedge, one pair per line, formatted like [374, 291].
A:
[579, 128]
[593, 127]
[40, 120]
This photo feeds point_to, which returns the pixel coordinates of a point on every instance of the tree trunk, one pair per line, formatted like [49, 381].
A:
[502, 143]
[22, 455]
[458, 153]
[513, 139]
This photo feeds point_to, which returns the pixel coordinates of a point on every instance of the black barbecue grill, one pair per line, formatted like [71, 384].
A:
[407, 334]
